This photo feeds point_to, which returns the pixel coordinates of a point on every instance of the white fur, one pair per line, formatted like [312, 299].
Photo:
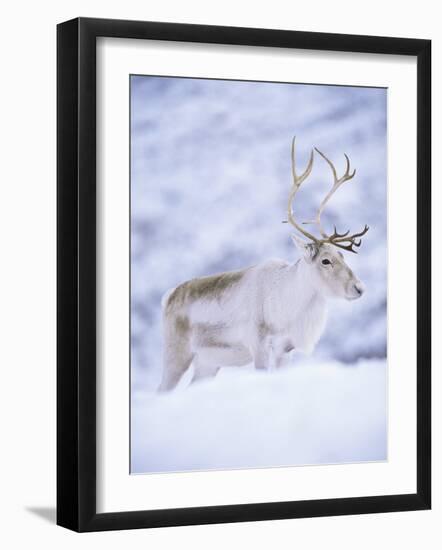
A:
[275, 307]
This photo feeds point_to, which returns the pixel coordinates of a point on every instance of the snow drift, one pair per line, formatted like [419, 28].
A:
[312, 414]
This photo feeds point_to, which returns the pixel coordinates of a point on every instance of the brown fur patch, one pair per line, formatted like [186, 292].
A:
[213, 343]
[210, 335]
[211, 287]
[182, 325]
[264, 329]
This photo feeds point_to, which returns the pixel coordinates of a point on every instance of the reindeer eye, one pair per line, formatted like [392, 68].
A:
[326, 262]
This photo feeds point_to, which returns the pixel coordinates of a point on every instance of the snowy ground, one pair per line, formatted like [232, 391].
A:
[311, 414]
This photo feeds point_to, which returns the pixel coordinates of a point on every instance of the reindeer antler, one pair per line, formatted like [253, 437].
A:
[341, 240]
[336, 238]
[297, 181]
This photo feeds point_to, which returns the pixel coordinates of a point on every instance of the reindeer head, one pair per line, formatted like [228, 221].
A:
[321, 254]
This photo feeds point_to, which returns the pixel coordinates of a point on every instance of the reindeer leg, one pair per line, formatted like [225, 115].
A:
[177, 354]
[282, 360]
[282, 354]
[204, 372]
[172, 374]
[261, 357]
[169, 380]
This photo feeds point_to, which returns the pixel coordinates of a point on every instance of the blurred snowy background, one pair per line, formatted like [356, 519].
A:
[210, 174]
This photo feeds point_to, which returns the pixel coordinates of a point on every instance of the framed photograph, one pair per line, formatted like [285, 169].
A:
[243, 274]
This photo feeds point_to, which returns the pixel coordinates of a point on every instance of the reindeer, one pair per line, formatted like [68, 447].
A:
[263, 312]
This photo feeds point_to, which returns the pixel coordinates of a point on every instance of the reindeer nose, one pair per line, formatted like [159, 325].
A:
[360, 288]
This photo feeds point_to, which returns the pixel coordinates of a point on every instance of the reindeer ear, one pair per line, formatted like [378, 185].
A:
[307, 249]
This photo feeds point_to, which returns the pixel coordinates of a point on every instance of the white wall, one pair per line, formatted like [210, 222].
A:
[27, 275]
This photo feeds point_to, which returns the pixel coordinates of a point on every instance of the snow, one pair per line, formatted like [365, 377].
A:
[318, 413]
[210, 174]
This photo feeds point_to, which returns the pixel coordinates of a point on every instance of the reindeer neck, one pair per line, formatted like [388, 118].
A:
[300, 288]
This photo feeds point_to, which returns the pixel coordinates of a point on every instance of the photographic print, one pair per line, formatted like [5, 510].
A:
[258, 264]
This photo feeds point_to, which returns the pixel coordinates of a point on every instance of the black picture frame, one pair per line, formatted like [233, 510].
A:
[77, 287]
